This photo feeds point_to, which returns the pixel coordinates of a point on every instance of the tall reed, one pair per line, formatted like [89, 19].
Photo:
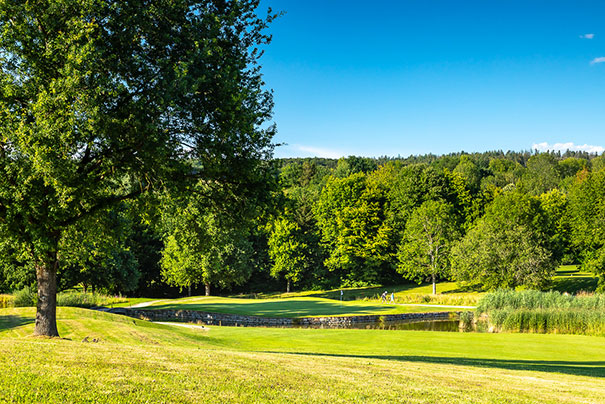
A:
[543, 312]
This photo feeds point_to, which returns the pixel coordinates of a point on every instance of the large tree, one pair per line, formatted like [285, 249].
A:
[424, 250]
[101, 101]
[206, 249]
[354, 231]
[288, 251]
[586, 216]
[510, 245]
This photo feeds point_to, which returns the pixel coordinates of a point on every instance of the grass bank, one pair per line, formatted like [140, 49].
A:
[448, 294]
[288, 307]
[137, 361]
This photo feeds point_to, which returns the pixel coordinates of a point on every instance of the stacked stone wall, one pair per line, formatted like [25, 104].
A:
[200, 317]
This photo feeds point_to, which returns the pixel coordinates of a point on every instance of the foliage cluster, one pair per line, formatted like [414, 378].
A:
[487, 220]
[482, 220]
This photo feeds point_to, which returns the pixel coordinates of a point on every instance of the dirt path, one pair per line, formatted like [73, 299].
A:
[145, 304]
[186, 325]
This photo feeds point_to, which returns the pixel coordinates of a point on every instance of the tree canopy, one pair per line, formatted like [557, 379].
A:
[101, 101]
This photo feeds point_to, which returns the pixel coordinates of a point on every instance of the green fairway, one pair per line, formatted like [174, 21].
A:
[291, 307]
[136, 361]
[570, 279]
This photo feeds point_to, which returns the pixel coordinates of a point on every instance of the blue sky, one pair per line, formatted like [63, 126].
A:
[373, 78]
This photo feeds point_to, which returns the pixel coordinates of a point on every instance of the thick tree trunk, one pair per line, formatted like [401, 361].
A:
[207, 289]
[46, 314]
[288, 286]
[434, 285]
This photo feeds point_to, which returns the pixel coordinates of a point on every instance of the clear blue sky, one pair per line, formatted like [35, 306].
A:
[374, 78]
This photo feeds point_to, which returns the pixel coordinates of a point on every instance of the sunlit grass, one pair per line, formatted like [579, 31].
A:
[288, 307]
[137, 361]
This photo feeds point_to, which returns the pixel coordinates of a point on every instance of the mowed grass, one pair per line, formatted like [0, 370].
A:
[137, 361]
[288, 307]
[570, 279]
[447, 293]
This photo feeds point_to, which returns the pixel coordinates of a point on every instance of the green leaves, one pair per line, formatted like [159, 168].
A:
[424, 250]
[351, 215]
[510, 246]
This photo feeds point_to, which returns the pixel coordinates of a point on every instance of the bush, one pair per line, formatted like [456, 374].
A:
[25, 298]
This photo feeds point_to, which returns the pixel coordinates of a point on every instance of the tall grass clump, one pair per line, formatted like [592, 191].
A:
[86, 300]
[534, 299]
[6, 301]
[543, 312]
[27, 297]
[453, 299]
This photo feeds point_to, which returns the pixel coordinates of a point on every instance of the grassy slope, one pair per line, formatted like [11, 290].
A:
[291, 307]
[142, 362]
[570, 279]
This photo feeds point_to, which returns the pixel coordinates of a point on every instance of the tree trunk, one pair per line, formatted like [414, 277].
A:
[434, 285]
[288, 286]
[189, 290]
[207, 289]
[46, 313]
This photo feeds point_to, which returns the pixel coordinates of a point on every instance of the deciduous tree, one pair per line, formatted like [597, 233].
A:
[424, 250]
[101, 101]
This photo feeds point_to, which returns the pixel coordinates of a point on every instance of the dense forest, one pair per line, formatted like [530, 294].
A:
[486, 220]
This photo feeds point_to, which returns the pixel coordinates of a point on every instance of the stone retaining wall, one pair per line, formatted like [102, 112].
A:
[206, 318]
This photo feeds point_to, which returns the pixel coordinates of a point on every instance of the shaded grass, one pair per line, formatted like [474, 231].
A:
[291, 307]
[570, 279]
[229, 364]
[370, 292]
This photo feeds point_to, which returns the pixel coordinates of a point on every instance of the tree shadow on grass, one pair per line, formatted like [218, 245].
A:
[8, 322]
[576, 368]
[279, 308]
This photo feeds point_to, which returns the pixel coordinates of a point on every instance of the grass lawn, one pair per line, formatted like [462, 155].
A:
[136, 361]
[447, 293]
[290, 307]
[570, 279]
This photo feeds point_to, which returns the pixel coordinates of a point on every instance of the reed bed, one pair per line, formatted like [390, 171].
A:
[543, 312]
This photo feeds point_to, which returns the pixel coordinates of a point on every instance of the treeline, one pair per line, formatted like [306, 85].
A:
[487, 220]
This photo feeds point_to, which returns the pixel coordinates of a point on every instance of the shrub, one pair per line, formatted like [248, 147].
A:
[25, 298]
